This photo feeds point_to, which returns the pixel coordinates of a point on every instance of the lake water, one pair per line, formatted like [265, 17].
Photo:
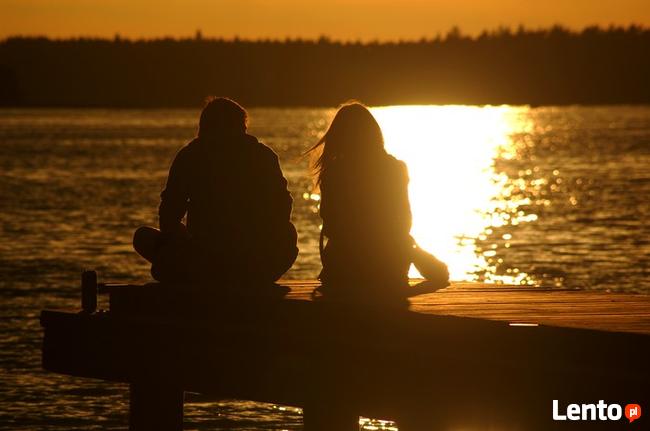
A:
[553, 196]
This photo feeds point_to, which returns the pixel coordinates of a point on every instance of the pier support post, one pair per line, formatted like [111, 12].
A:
[155, 407]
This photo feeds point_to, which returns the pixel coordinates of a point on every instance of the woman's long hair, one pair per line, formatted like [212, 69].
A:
[353, 138]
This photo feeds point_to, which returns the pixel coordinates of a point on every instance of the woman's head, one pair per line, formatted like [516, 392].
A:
[353, 136]
[222, 117]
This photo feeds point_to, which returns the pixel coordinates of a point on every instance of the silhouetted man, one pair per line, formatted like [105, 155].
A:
[237, 204]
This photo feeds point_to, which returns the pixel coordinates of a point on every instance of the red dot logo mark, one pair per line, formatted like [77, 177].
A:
[632, 412]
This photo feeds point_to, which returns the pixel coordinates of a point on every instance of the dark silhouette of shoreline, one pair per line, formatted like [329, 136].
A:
[538, 67]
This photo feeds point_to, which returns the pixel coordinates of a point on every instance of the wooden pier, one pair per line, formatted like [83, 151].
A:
[469, 357]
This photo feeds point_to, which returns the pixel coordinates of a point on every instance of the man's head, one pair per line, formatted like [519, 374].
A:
[222, 117]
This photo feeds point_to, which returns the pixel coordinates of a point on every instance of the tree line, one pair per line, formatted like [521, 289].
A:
[522, 66]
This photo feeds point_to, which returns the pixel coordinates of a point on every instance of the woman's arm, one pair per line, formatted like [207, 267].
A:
[404, 217]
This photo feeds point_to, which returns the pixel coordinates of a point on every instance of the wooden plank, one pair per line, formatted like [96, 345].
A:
[557, 307]
[617, 312]
[447, 363]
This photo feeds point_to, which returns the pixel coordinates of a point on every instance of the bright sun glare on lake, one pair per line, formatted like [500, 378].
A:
[456, 195]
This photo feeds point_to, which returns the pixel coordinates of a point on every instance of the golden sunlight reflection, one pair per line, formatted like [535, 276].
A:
[457, 197]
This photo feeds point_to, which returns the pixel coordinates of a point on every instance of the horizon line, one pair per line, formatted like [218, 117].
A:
[455, 32]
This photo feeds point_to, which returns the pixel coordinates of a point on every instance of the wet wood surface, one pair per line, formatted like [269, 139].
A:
[471, 356]
[617, 312]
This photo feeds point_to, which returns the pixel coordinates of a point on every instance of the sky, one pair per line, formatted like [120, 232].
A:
[338, 19]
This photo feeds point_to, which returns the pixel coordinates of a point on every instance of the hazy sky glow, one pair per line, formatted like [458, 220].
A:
[339, 19]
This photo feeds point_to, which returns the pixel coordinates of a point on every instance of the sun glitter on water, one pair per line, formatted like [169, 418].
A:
[456, 195]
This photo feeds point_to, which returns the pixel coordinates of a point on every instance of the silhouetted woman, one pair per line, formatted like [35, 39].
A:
[366, 248]
[238, 208]
[365, 209]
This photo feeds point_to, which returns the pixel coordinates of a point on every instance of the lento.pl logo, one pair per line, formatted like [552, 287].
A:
[632, 412]
[596, 412]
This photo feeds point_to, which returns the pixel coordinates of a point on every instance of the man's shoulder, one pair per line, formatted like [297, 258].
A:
[188, 148]
[262, 150]
[185, 153]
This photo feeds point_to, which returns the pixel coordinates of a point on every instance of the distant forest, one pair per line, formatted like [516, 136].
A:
[522, 66]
